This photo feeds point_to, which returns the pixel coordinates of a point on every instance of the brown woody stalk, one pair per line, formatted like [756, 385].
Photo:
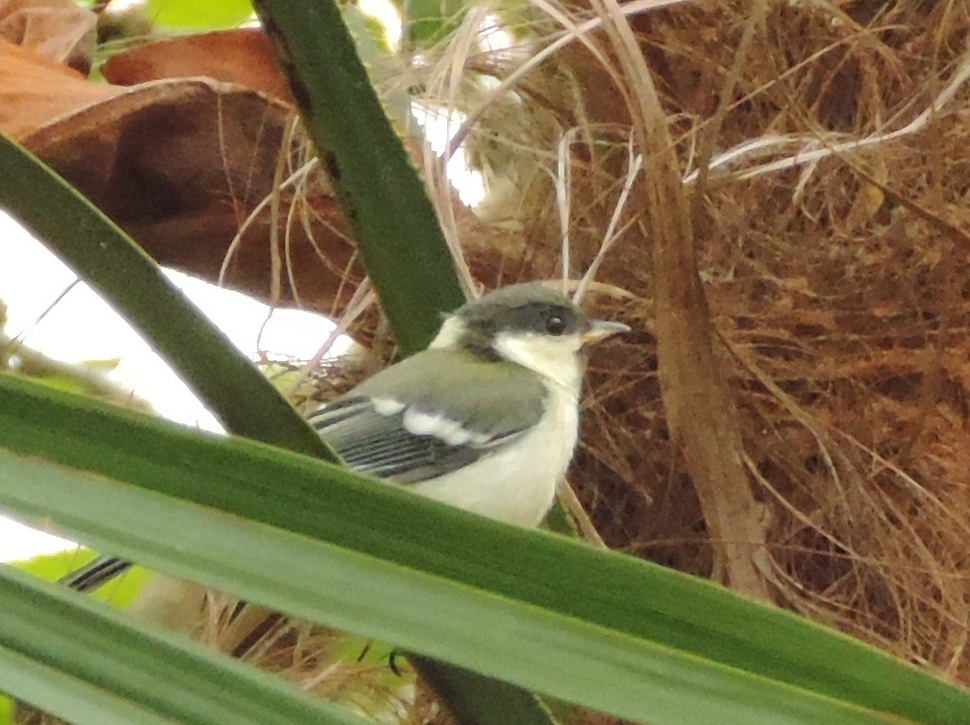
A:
[700, 410]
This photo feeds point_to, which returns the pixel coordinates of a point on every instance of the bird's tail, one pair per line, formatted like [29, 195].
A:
[100, 570]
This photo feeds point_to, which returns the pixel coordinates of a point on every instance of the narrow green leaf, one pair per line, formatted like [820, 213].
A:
[86, 663]
[105, 257]
[534, 648]
[591, 627]
[394, 223]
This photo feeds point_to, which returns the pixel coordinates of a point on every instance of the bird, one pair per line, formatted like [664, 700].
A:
[486, 418]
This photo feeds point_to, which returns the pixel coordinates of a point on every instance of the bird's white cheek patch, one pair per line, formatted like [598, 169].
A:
[554, 358]
[445, 429]
[386, 406]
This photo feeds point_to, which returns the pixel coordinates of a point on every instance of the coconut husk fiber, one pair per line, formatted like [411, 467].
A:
[831, 231]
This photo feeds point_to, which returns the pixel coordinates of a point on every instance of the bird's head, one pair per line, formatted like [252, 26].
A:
[528, 324]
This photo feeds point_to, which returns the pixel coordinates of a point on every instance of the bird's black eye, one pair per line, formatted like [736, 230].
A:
[555, 325]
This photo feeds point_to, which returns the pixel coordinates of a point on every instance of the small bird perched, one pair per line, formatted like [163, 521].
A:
[485, 419]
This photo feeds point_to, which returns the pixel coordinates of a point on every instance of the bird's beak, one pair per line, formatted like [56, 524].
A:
[602, 329]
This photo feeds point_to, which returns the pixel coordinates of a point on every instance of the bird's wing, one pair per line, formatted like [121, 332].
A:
[410, 427]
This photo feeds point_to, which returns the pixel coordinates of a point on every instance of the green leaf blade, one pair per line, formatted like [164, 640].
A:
[394, 224]
[569, 659]
[114, 671]
[358, 559]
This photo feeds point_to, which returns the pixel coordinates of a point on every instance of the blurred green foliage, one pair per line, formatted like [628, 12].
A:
[428, 21]
[192, 14]
[118, 592]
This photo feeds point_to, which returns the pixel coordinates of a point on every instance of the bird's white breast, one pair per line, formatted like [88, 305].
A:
[517, 485]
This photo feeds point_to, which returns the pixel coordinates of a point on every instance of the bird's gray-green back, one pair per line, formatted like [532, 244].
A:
[431, 414]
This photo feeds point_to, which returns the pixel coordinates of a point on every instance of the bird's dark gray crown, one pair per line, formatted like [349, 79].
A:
[530, 307]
